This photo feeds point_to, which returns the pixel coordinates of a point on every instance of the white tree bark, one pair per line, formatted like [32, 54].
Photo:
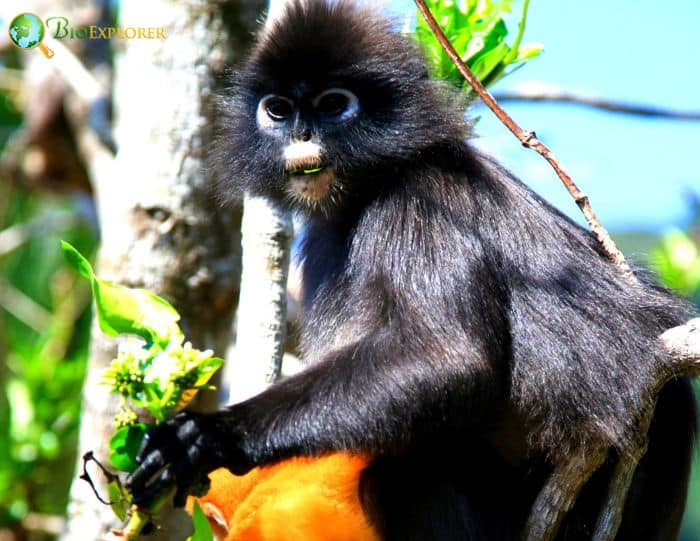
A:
[262, 308]
[161, 228]
[261, 326]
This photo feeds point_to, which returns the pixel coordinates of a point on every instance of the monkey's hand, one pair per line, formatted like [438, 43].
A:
[182, 451]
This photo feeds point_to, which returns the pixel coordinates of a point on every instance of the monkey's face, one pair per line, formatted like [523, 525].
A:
[304, 124]
[317, 135]
[327, 105]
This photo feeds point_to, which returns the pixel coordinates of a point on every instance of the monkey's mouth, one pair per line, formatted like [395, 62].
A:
[313, 183]
[309, 171]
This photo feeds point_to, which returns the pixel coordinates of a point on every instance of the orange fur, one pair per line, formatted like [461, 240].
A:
[301, 499]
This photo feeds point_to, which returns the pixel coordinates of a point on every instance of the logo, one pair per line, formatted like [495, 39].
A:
[27, 32]
[62, 29]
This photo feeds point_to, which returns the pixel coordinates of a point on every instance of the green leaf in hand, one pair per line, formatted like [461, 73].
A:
[174, 376]
[160, 378]
[124, 310]
[118, 499]
[124, 445]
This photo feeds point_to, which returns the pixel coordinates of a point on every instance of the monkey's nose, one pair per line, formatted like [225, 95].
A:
[301, 135]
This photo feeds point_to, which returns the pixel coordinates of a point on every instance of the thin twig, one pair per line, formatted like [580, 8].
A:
[109, 476]
[23, 307]
[546, 94]
[529, 140]
[14, 236]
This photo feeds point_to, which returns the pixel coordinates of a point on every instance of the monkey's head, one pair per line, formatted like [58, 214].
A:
[330, 100]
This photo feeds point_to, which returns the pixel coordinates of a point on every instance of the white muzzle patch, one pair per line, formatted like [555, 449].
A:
[303, 155]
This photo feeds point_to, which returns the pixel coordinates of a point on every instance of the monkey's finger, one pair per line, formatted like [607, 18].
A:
[150, 467]
[160, 437]
[184, 474]
[155, 490]
[144, 448]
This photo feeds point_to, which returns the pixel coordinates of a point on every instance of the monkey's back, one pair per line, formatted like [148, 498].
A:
[464, 262]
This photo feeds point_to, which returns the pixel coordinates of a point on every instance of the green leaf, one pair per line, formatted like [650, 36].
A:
[77, 261]
[202, 528]
[152, 401]
[485, 66]
[527, 52]
[124, 310]
[207, 369]
[117, 499]
[678, 262]
[124, 445]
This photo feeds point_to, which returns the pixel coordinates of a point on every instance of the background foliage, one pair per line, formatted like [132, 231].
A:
[44, 329]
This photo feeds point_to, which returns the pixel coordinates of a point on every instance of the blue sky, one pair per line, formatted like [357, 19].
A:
[634, 170]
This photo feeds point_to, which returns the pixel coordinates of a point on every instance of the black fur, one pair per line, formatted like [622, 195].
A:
[312, 49]
[460, 329]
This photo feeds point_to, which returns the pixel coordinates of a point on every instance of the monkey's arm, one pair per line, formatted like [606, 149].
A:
[373, 396]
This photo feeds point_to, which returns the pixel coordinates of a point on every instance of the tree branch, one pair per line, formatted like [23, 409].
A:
[160, 229]
[683, 344]
[680, 346]
[559, 494]
[543, 92]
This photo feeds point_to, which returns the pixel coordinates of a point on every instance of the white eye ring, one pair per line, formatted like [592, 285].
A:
[266, 118]
[350, 110]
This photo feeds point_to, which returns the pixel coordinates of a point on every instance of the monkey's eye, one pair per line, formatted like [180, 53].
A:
[278, 108]
[336, 103]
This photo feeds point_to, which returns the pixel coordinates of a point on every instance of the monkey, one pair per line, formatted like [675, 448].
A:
[460, 331]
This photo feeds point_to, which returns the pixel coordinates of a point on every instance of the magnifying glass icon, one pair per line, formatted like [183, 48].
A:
[27, 32]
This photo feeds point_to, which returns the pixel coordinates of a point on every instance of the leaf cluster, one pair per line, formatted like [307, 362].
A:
[160, 374]
[477, 30]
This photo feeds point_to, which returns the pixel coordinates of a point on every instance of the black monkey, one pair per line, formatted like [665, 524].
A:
[459, 329]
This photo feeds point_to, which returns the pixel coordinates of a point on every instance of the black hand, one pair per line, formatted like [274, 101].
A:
[180, 452]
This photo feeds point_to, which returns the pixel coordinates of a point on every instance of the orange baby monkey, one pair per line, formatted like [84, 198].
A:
[300, 499]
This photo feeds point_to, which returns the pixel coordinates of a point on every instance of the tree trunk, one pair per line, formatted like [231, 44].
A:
[261, 328]
[161, 228]
[256, 356]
